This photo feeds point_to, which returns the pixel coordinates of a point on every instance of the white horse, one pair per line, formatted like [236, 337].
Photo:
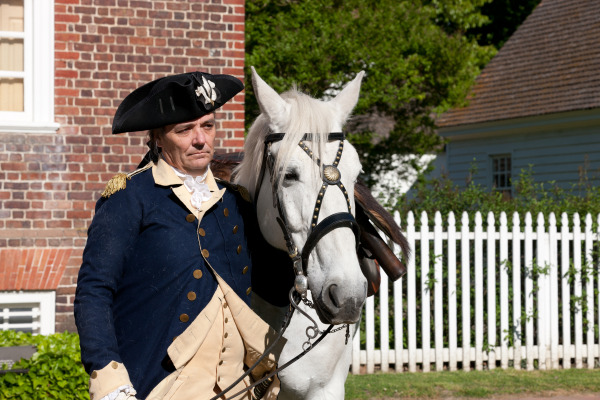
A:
[337, 287]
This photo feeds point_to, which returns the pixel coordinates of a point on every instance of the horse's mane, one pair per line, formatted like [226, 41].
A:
[307, 115]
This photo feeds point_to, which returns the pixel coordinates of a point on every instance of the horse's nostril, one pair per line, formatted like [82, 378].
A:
[333, 295]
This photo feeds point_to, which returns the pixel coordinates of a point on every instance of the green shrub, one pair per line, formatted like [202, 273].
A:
[55, 370]
[443, 195]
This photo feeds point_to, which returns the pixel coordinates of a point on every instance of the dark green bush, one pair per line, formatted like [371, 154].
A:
[55, 370]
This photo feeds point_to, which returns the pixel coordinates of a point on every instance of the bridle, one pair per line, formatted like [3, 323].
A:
[331, 176]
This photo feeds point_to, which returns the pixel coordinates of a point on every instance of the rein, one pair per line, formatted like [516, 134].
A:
[331, 177]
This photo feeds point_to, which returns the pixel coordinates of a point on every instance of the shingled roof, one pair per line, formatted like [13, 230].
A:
[551, 64]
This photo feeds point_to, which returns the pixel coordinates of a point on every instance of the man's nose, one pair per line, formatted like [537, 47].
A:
[199, 136]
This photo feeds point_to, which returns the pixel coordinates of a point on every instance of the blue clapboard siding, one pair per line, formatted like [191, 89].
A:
[557, 146]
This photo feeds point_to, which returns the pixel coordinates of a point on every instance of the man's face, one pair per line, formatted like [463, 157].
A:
[188, 146]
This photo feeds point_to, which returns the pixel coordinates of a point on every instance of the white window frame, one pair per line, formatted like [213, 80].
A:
[38, 74]
[43, 306]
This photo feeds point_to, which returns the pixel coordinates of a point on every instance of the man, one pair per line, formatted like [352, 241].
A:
[162, 296]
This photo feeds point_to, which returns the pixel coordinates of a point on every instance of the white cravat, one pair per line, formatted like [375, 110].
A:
[196, 186]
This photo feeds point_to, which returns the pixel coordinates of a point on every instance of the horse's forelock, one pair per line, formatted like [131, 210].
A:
[307, 115]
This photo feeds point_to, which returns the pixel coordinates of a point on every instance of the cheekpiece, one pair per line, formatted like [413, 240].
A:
[174, 99]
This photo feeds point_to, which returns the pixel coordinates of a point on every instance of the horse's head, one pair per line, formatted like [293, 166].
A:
[302, 184]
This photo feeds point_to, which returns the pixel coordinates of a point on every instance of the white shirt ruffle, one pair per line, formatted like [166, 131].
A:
[196, 186]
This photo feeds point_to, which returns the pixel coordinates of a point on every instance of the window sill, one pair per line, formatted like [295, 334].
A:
[23, 127]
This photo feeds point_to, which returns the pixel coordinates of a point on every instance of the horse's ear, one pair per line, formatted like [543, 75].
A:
[346, 100]
[269, 101]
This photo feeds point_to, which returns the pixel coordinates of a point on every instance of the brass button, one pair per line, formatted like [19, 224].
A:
[205, 253]
[239, 249]
[225, 335]
[226, 212]
[235, 229]
[191, 296]
[190, 218]
[94, 375]
[249, 290]
[201, 232]
[114, 365]
[184, 318]
[197, 274]
[245, 269]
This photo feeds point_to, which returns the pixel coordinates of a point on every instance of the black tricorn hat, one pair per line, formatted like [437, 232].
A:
[174, 99]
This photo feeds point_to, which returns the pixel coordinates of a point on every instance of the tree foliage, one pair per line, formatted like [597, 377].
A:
[417, 58]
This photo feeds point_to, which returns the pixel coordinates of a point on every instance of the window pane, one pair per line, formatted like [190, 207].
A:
[11, 94]
[11, 15]
[11, 54]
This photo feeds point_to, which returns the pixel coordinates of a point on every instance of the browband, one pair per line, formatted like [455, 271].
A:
[276, 137]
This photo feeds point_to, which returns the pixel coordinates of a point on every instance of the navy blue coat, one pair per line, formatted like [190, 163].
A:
[141, 260]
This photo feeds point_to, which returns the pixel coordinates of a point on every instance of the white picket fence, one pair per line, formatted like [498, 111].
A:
[487, 297]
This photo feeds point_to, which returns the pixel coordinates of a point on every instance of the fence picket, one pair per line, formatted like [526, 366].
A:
[542, 291]
[504, 295]
[528, 268]
[516, 283]
[566, 290]
[452, 329]
[491, 289]
[438, 292]
[398, 312]
[425, 294]
[384, 331]
[589, 279]
[577, 292]
[466, 291]
[412, 296]
[478, 292]
[553, 261]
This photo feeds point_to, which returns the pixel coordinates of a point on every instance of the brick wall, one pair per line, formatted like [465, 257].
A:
[103, 50]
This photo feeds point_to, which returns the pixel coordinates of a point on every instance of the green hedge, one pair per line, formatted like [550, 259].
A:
[55, 370]
[529, 195]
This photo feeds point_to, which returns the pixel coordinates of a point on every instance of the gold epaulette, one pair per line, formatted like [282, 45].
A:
[238, 188]
[119, 181]
[116, 183]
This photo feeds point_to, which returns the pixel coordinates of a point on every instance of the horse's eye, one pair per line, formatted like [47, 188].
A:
[291, 176]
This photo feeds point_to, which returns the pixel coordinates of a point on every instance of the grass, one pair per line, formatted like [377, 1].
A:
[472, 384]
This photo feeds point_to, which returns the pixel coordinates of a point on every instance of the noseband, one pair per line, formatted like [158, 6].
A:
[331, 176]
